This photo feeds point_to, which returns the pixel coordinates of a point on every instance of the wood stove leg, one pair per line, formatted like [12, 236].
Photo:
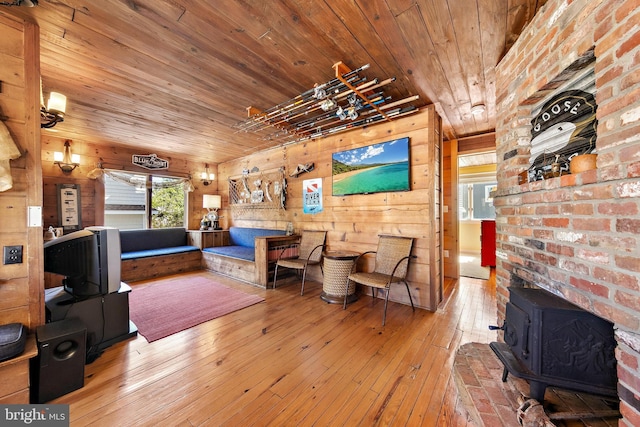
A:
[505, 374]
[537, 390]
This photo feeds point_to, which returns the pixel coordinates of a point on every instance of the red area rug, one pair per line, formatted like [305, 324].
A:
[172, 305]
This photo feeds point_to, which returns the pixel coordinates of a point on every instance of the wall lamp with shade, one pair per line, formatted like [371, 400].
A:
[207, 177]
[211, 203]
[54, 112]
[66, 161]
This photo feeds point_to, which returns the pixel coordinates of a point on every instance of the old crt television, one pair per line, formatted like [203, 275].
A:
[89, 259]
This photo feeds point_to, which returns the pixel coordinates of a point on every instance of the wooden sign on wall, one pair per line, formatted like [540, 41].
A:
[69, 211]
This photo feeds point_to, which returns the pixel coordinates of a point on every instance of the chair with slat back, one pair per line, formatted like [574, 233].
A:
[309, 253]
[391, 266]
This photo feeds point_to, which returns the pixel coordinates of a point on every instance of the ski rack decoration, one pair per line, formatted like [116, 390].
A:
[344, 103]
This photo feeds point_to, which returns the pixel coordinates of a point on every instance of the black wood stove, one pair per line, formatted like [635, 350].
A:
[551, 342]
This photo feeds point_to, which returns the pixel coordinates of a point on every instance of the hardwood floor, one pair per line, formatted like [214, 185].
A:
[292, 360]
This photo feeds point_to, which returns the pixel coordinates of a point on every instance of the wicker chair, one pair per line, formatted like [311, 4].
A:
[309, 253]
[391, 266]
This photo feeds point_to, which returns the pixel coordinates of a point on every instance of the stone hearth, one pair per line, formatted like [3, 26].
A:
[487, 401]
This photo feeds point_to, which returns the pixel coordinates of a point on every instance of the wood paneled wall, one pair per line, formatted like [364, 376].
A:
[354, 222]
[21, 285]
[450, 209]
[111, 157]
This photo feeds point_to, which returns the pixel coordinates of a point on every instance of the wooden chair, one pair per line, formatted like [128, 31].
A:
[391, 266]
[310, 253]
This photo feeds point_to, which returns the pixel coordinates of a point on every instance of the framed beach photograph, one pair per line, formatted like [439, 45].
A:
[374, 168]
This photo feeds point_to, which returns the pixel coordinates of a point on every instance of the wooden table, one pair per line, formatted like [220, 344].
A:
[337, 266]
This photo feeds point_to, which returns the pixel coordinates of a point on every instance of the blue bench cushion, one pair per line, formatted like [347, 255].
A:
[243, 236]
[152, 238]
[238, 252]
[160, 251]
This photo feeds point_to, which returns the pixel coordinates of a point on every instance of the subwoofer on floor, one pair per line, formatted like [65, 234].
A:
[58, 368]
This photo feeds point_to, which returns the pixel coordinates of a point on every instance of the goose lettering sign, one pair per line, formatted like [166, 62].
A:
[564, 127]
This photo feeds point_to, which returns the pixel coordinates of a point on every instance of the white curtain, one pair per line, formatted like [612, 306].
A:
[141, 180]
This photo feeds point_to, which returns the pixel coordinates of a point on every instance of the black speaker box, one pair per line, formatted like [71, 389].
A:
[58, 368]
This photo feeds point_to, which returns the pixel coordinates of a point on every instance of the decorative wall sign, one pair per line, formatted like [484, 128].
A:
[312, 195]
[69, 207]
[564, 127]
[149, 161]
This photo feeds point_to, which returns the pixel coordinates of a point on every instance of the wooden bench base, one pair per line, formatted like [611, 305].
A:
[260, 272]
[161, 265]
[233, 267]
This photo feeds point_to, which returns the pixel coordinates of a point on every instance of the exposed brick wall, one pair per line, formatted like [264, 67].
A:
[577, 236]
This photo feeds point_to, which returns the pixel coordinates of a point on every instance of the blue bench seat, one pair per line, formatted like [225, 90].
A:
[238, 252]
[158, 251]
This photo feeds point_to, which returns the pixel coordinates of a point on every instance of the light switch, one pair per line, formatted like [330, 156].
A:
[35, 216]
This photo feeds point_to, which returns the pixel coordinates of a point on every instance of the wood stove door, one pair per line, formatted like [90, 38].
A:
[516, 333]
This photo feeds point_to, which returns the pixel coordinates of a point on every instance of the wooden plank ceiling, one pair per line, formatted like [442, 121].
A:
[176, 75]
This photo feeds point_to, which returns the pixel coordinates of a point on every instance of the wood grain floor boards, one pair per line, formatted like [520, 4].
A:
[291, 360]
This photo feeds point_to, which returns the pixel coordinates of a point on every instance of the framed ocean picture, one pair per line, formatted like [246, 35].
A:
[374, 168]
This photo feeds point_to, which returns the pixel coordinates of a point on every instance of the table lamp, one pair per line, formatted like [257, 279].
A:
[212, 203]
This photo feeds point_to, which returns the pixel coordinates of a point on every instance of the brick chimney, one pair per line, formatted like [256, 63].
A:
[576, 235]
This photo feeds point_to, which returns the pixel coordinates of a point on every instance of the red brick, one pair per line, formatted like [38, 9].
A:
[629, 263]
[615, 277]
[628, 225]
[631, 151]
[631, 416]
[631, 379]
[630, 188]
[577, 209]
[627, 300]
[626, 358]
[624, 10]
[574, 266]
[630, 79]
[593, 224]
[594, 192]
[618, 103]
[543, 235]
[560, 249]
[613, 241]
[618, 209]
[556, 222]
[611, 74]
[597, 257]
[633, 170]
[616, 315]
[547, 210]
[546, 259]
[591, 287]
[628, 45]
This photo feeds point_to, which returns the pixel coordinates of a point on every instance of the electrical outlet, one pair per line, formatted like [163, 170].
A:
[12, 255]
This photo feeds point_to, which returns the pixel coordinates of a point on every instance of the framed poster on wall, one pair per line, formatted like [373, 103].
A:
[69, 207]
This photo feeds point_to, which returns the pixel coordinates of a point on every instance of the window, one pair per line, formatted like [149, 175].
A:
[134, 201]
[476, 202]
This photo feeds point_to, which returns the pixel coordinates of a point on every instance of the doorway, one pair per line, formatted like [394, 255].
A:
[476, 184]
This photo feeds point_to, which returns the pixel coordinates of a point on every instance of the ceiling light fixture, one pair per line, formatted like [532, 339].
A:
[54, 113]
[66, 161]
[206, 177]
[478, 109]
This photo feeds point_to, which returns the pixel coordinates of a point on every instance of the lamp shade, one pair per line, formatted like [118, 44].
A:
[211, 201]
